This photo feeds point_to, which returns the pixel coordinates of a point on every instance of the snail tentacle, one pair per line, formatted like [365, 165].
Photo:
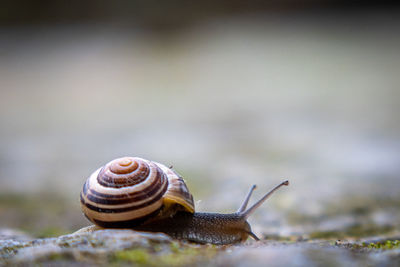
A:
[246, 200]
[253, 235]
[250, 210]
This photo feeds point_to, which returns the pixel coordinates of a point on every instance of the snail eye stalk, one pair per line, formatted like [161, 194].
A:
[246, 200]
[249, 211]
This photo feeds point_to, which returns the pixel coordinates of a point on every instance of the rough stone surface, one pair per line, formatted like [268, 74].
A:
[90, 246]
[78, 247]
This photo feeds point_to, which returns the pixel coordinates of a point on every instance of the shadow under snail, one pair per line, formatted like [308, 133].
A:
[143, 195]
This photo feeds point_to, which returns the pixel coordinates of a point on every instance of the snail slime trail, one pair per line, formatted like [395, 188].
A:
[139, 194]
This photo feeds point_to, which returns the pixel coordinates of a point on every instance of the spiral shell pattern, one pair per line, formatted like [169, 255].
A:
[127, 191]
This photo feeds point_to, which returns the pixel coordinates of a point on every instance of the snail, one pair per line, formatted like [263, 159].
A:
[143, 195]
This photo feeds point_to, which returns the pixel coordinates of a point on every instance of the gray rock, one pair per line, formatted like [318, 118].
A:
[78, 246]
[94, 246]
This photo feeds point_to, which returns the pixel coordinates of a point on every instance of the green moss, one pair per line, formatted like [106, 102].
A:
[139, 256]
[370, 246]
[174, 247]
[388, 244]
[188, 255]
[177, 255]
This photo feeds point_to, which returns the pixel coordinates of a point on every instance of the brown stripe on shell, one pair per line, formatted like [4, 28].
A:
[158, 178]
[125, 224]
[130, 208]
[121, 216]
[151, 190]
[113, 176]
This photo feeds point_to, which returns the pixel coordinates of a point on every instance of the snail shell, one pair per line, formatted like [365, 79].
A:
[131, 191]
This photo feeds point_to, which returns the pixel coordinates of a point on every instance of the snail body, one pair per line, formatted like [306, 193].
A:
[143, 195]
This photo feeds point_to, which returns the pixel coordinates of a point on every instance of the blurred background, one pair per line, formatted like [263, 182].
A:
[230, 93]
